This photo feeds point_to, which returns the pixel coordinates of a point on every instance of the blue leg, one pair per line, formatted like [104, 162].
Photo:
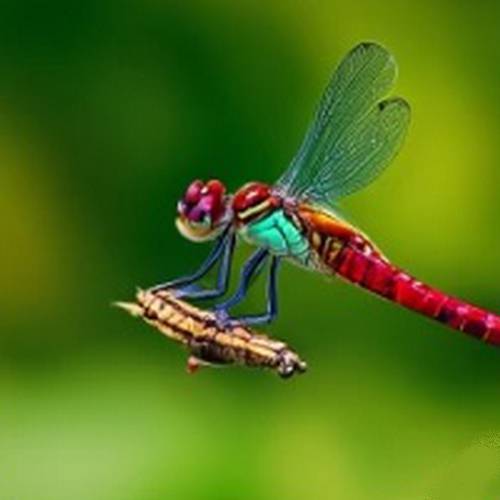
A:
[272, 300]
[251, 268]
[186, 286]
[223, 275]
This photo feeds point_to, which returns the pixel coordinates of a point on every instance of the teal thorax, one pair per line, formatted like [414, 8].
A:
[279, 235]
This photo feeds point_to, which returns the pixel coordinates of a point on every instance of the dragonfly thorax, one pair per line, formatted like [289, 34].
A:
[261, 219]
[253, 201]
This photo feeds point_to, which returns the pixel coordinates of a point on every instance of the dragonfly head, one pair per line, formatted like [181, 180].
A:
[253, 201]
[203, 212]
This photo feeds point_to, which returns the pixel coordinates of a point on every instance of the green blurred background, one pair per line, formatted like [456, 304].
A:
[107, 110]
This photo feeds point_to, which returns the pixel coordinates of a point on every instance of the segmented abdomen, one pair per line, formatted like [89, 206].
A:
[373, 273]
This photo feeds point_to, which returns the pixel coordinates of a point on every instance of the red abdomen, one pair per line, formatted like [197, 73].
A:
[373, 273]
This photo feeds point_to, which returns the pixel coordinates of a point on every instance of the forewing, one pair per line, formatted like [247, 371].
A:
[354, 134]
[363, 152]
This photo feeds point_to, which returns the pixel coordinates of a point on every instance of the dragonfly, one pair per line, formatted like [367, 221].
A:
[356, 132]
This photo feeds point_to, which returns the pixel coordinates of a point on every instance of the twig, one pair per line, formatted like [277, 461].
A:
[206, 342]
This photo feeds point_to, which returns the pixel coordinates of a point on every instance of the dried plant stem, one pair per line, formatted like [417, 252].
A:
[208, 343]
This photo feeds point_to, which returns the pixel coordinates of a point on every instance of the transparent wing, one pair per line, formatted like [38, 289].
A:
[355, 133]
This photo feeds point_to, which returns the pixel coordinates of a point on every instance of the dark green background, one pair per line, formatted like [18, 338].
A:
[107, 110]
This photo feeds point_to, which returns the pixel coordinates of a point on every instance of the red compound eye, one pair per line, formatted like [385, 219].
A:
[193, 192]
[216, 188]
[216, 191]
[203, 202]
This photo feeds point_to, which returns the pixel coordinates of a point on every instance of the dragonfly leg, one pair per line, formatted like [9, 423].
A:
[223, 276]
[253, 266]
[186, 286]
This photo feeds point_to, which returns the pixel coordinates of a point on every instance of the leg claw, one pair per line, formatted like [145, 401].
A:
[224, 320]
